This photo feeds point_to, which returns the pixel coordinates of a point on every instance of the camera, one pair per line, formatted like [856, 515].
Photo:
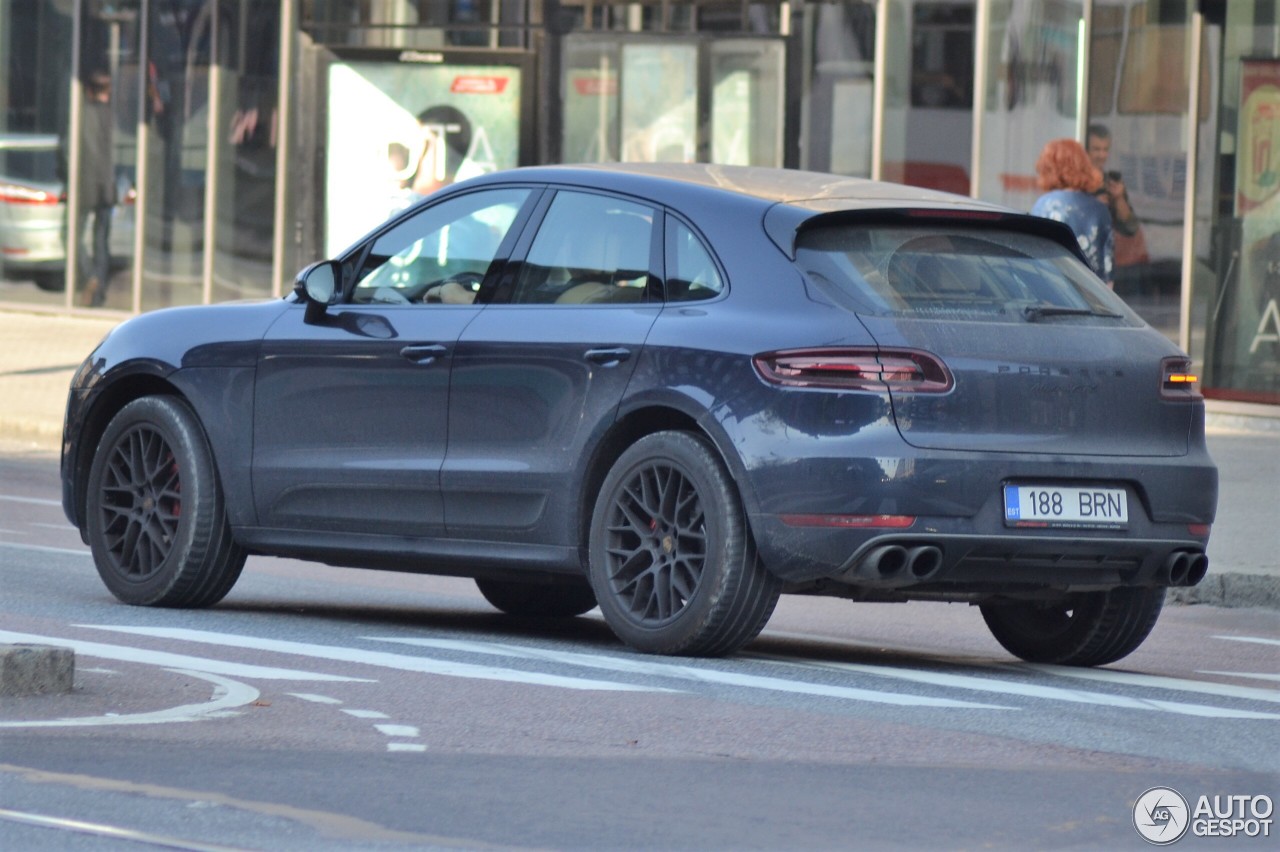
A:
[1113, 175]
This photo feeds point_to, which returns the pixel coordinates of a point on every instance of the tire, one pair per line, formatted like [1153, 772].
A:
[672, 561]
[156, 516]
[538, 600]
[1087, 629]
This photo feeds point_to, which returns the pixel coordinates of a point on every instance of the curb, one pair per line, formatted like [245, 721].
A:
[1230, 589]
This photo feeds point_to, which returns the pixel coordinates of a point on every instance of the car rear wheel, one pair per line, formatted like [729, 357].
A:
[537, 600]
[157, 522]
[1086, 629]
[672, 560]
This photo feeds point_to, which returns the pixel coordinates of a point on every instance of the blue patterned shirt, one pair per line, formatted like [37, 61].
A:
[1089, 219]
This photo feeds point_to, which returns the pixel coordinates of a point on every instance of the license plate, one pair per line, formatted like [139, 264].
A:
[1065, 506]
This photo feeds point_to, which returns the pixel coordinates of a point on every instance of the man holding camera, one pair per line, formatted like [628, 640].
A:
[1131, 245]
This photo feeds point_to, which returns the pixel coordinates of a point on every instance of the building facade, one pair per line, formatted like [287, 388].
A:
[253, 136]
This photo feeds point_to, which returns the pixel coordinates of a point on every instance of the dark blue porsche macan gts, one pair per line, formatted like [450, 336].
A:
[676, 392]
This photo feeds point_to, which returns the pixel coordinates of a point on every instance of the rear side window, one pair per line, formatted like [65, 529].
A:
[943, 272]
[691, 273]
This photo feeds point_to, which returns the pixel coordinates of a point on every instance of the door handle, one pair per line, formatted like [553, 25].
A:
[424, 353]
[608, 357]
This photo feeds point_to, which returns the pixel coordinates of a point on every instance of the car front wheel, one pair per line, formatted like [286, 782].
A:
[672, 560]
[157, 522]
[1085, 629]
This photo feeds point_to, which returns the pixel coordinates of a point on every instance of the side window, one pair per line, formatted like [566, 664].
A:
[590, 249]
[441, 253]
[691, 273]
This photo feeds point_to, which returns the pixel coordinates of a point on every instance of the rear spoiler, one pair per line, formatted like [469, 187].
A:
[785, 223]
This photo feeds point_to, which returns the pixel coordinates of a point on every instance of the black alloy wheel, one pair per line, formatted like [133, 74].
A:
[156, 517]
[1084, 629]
[672, 561]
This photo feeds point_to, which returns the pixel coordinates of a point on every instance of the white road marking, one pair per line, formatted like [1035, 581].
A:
[365, 714]
[99, 829]
[408, 732]
[424, 665]
[1257, 640]
[416, 747]
[83, 551]
[62, 527]
[1029, 690]
[1156, 682]
[173, 661]
[227, 695]
[317, 699]
[683, 672]
[1253, 675]
[35, 501]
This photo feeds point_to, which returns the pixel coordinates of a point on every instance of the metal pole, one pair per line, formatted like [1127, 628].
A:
[142, 198]
[1189, 200]
[70, 275]
[213, 124]
[981, 44]
[880, 86]
[1084, 50]
[284, 139]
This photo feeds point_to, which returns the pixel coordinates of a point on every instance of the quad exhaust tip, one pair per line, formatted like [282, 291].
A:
[1183, 568]
[899, 565]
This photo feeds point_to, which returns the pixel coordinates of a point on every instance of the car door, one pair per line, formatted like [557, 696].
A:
[540, 372]
[350, 410]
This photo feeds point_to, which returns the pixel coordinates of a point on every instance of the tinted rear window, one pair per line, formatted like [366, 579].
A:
[949, 272]
[39, 165]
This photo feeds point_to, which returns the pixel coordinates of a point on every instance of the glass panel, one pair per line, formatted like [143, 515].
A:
[659, 104]
[420, 127]
[746, 102]
[1139, 88]
[1031, 98]
[590, 93]
[838, 100]
[441, 254]
[179, 45]
[590, 249]
[929, 97]
[1242, 345]
[246, 162]
[35, 78]
[691, 273]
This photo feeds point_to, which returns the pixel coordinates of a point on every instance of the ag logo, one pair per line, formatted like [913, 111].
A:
[1161, 815]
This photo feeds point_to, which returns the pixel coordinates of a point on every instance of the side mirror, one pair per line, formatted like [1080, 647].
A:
[317, 287]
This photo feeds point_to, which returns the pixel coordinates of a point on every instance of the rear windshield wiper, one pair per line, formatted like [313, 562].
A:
[1035, 312]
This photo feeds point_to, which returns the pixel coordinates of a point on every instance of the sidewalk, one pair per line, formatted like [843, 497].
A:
[40, 354]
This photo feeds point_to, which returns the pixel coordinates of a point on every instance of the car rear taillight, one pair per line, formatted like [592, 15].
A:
[907, 370]
[1177, 381]
[16, 193]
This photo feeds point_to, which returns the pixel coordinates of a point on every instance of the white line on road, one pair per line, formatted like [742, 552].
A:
[1030, 690]
[365, 714]
[1225, 690]
[417, 747]
[424, 665]
[227, 695]
[100, 829]
[172, 661]
[1253, 675]
[1257, 640]
[408, 732]
[318, 699]
[36, 501]
[683, 672]
[83, 551]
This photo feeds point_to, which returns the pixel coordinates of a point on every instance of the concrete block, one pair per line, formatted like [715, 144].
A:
[36, 669]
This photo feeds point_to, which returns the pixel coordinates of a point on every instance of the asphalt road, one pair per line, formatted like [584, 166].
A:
[320, 708]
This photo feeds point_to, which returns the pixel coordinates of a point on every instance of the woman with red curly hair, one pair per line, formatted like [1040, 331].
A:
[1067, 176]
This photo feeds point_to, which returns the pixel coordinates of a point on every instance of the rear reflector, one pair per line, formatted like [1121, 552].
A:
[1199, 530]
[856, 368]
[896, 522]
[1177, 381]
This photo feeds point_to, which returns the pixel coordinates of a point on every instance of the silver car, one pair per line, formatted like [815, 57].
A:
[33, 211]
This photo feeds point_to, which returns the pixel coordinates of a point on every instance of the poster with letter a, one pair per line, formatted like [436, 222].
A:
[397, 131]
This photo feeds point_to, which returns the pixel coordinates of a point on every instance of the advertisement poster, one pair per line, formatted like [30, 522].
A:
[1258, 158]
[398, 131]
[660, 109]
